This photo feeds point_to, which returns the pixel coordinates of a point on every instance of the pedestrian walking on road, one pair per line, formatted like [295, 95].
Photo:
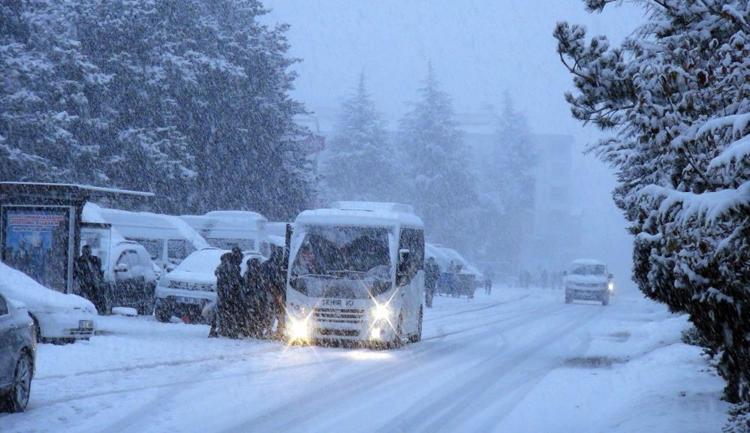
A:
[431, 275]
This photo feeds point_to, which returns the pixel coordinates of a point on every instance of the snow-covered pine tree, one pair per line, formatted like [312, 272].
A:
[45, 115]
[360, 162]
[443, 189]
[189, 99]
[513, 181]
[675, 98]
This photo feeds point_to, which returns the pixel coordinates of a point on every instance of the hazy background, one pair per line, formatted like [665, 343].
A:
[479, 50]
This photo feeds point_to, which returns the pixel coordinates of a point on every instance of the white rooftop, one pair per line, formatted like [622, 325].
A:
[587, 262]
[150, 225]
[362, 213]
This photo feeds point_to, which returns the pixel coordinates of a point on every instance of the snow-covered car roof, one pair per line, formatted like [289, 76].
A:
[21, 288]
[149, 225]
[362, 213]
[587, 262]
[236, 214]
[200, 265]
[443, 256]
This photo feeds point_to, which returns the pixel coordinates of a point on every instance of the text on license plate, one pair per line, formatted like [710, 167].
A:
[85, 324]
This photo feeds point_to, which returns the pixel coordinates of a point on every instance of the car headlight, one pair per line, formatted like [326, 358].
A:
[611, 286]
[381, 312]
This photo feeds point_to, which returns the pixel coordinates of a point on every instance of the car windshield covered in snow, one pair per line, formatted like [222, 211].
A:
[337, 251]
[588, 269]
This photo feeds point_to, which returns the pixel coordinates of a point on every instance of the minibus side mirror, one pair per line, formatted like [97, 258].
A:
[402, 275]
[403, 255]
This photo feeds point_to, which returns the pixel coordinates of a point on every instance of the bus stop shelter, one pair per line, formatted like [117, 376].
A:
[40, 226]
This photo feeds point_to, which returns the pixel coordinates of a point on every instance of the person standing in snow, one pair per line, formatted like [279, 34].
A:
[90, 278]
[274, 281]
[431, 275]
[221, 319]
[229, 294]
[255, 299]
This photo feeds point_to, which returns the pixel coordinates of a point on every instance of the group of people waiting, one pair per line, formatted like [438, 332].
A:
[249, 305]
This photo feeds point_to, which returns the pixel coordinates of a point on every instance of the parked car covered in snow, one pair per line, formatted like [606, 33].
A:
[588, 280]
[191, 286]
[129, 273]
[58, 317]
[17, 355]
[458, 277]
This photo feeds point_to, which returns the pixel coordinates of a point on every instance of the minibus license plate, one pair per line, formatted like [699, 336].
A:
[193, 301]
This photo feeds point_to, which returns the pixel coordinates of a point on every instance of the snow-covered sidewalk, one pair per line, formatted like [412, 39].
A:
[517, 361]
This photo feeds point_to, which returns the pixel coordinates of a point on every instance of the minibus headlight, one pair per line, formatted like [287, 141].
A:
[611, 286]
[381, 312]
[299, 330]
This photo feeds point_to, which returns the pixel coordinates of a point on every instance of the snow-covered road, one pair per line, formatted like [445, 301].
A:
[516, 361]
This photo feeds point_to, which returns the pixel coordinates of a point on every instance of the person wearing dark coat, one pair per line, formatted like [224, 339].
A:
[256, 299]
[229, 305]
[90, 278]
[274, 280]
[431, 275]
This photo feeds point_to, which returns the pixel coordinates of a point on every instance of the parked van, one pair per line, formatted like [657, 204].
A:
[228, 229]
[167, 238]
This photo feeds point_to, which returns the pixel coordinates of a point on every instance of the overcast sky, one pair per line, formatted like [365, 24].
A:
[479, 49]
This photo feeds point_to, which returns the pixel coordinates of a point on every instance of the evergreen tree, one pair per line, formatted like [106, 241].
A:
[188, 99]
[362, 163]
[443, 191]
[676, 97]
[512, 179]
[44, 95]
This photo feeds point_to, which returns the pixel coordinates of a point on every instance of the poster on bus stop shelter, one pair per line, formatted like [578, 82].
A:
[35, 241]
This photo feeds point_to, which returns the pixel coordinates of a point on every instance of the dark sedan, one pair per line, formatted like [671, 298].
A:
[17, 356]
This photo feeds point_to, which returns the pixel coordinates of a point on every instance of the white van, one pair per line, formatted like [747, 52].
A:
[589, 280]
[167, 238]
[356, 273]
[229, 229]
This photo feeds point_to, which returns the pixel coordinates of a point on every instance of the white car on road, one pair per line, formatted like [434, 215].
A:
[191, 286]
[58, 317]
[588, 280]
